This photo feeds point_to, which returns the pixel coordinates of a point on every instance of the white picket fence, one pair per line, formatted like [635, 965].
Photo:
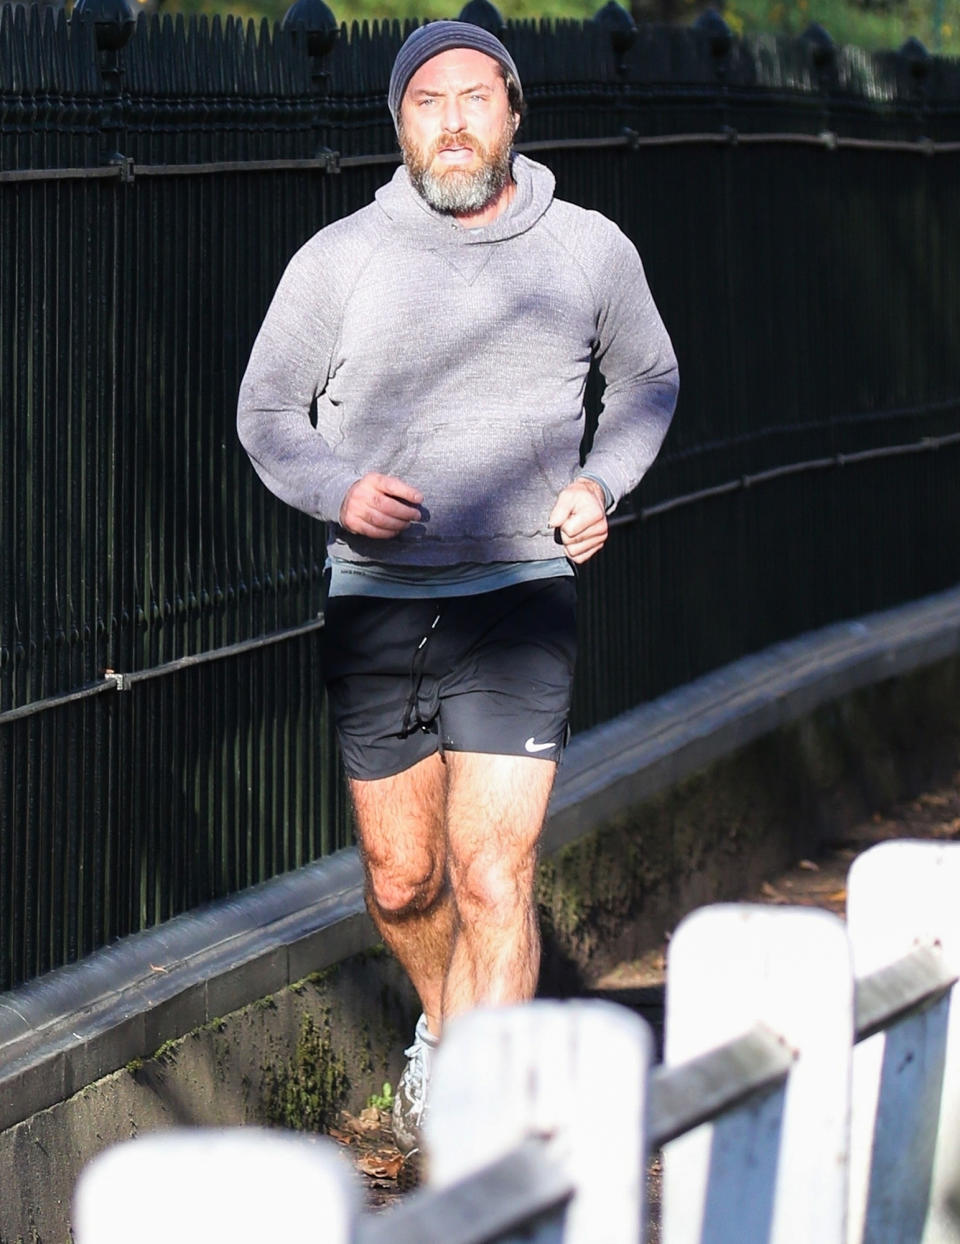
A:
[810, 1093]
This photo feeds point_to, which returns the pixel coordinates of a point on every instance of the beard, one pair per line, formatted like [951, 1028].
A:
[457, 190]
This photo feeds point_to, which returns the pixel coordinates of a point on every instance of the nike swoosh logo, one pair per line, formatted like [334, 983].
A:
[532, 746]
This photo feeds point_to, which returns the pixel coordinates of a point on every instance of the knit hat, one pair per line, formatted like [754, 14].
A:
[436, 37]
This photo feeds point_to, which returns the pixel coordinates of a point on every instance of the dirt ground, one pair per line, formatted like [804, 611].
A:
[819, 882]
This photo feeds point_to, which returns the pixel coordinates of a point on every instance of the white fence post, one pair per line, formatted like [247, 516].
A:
[574, 1071]
[774, 1170]
[242, 1185]
[905, 1140]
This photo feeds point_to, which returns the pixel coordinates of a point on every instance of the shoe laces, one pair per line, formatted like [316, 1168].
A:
[418, 1065]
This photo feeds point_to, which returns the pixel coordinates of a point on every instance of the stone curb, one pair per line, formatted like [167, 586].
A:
[72, 1026]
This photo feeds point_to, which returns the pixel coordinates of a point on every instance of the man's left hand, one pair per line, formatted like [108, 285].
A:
[580, 516]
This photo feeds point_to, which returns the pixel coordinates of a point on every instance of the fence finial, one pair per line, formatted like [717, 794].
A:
[617, 22]
[316, 20]
[717, 31]
[916, 56]
[483, 13]
[822, 48]
[113, 22]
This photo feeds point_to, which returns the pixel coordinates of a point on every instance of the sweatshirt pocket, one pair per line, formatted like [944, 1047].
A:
[484, 478]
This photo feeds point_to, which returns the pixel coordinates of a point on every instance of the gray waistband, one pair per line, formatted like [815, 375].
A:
[463, 579]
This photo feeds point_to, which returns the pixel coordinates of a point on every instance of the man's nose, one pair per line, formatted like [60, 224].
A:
[453, 120]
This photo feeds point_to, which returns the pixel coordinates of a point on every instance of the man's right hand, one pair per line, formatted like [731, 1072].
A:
[379, 506]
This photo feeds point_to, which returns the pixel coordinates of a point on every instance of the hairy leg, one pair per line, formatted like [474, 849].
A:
[401, 827]
[495, 811]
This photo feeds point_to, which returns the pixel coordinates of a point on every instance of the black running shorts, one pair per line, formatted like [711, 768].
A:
[487, 673]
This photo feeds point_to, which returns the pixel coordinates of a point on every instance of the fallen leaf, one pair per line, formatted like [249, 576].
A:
[379, 1167]
[364, 1124]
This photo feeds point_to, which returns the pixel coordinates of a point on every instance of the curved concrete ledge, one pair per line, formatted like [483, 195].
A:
[77, 1024]
[651, 748]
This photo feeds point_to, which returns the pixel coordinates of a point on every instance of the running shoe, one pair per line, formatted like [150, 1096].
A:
[410, 1097]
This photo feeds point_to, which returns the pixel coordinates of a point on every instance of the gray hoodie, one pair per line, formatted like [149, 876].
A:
[456, 359]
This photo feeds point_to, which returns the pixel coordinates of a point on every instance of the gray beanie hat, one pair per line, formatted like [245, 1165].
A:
[436, 37]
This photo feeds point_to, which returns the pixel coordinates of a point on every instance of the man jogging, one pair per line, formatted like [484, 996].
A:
[443, 336]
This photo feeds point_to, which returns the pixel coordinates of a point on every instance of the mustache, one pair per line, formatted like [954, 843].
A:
[446, 141]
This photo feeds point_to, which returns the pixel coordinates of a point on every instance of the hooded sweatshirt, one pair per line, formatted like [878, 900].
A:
[457, 359]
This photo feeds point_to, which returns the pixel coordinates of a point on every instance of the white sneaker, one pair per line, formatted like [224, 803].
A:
[410, 1098]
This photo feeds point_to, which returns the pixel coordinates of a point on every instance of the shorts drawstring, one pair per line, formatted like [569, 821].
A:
[417, 662]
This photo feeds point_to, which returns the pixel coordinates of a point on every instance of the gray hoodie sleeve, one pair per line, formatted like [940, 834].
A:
[288, 367]
[638, 364]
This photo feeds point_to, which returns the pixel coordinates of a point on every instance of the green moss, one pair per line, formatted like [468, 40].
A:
[315, 980]
[307, 1093]
[167, 1052]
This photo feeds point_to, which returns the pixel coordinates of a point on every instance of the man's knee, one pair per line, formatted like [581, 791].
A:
[491, 886]
[399, 890]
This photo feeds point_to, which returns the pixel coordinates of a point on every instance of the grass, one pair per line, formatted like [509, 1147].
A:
[871, 24]
[936, 23]
[369, 10]
[382, 1100]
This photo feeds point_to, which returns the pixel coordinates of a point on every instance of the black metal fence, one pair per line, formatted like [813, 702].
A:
[163, 738]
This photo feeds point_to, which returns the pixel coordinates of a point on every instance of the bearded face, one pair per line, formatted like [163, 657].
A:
[454, 189]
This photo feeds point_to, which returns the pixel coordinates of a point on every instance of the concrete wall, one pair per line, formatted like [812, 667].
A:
[721, 832]
[291, 1059]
